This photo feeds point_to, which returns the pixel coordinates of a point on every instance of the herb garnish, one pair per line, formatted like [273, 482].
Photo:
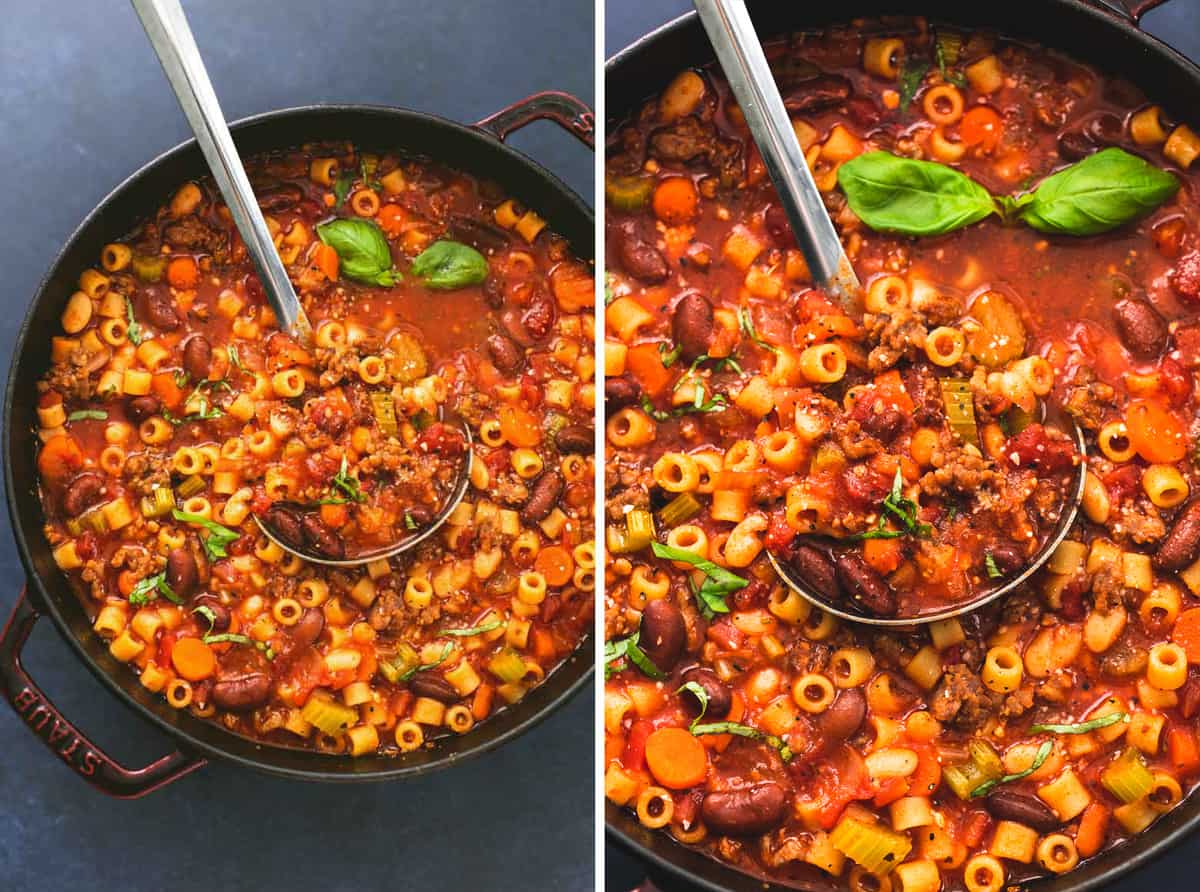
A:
[363, 251]
[150, 588]
[785, 751]
[910, 82]
[701, 695]
[474, 630]
[426, 666]
[409, 523]
[628, 648]
[234, 359]
[1082, 727]
[718, 582]
[746, 324]
[1039, 760]
[669, 354]
[903, 509]
[207, 612]
[347, 484]
[88, 415]
[133, 330]
[993, 571]
[234, 638]
[341, 188]
[218, 536]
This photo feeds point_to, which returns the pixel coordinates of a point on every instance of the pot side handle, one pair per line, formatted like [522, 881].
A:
[65, 740]
[563, 109]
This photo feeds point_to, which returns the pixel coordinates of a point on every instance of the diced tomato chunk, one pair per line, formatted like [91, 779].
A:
[1034, 447]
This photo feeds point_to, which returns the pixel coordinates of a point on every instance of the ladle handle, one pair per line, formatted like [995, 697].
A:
[741, 56]
[172, 40]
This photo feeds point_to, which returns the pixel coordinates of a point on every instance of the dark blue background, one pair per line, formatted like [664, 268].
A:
[1178, 23]
[82, 104]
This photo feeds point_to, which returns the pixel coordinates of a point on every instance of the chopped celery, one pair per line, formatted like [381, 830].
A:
[617, 539]
[1127, 777]
[1017, 419]
[327, 716]
[508, 666]
[639, 523]
[629, 193]
[95, 519]
[385, 413]
[191, 486]
[949, 47]
[160, 503]
[871, 846]
[404, 661]
[74, 527]
[148, 267]
[985, 767]
[960, 409]
[679, 510]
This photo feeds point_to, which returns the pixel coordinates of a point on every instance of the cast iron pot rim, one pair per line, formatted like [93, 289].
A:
[47, 604]
[1134, 857]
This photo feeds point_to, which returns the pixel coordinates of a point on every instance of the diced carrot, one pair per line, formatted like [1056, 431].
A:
[574, 287]
[974, 827]
[982, 127]
[193, 659]
[1093, 827]
[391, 219]
[170, 394]
[542, 644]
[645, 363]
[928, 776]
[556, 564]
[327, 261]
[126, 582]
[676, 758]
[890, 790]
[882, 554]
[335, 515]
[183, 273]
[1186, 633]
[481, 703]
[1183, 750]
[1157, 433]
[519, 427]
[676, 200]
[60, 458]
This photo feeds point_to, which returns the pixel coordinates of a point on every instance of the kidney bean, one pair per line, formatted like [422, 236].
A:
[320, 539]
[543, 497]
[1182, 543]
[1009, 805]
[242, 692]
[421, 515]
[85, 490]
[285, 522]
[640, 258]
[161, 311]
[308, 629]
[429, 684]
[865, 586]
[493, 293]
[1007, 558]
[506, 355]
[539, 317]
[720, 699]
[745, 812]
[197, 357]
[692, 325]
[777, 224]
[220, 613]
[663, 634]
[1189, 696]
[278, 198]
[818, 92]
[1074, 145]
[576, 438]
[814, 567]
[181, 571]
[843, 717]
[140, 408]
[1105, 129]
[1142, 328]
[621, 391]
[885, 425]
[477, 233]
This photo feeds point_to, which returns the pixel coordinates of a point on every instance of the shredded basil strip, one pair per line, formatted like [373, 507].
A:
[347, 484]
[746, 324]
[227, 637]
[627, 648]
[132, 330]
[785, 751]
[207, 612]
[149, 588]
[219, 536]
[88, 415]
[701, 695]
[903, 509]
[993, 571]
[718, 581]
[1039, 760]
[474, 630]
[1080, 728]
[426, 666]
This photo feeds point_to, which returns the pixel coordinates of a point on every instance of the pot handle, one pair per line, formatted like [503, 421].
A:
[562, 108]
[1129, 10]
[63, 738]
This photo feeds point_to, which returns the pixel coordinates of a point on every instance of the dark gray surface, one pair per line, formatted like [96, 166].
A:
[1178, 23]
[82, 104]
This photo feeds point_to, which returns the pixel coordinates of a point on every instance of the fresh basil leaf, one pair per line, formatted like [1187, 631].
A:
[88, 415]
[362, 249]
[150, 588]
[218, 536]
[1039, 760]
[893, 194]
[722, 579]
[474, 630]
[447, 265]
[1082, 727]
[1099, 193]
[740, 730]
[701, 696]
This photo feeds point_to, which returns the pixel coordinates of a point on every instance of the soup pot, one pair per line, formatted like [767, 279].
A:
[478, 149]
[1108, 37]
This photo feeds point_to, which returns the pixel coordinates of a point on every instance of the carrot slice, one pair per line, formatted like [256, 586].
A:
[519, 427]
[327, 260]
[182, 272]
[1186, 633]
[1157, 433]
[391, 219]
[556, 564]
[981, 126]
[676, 758]
[1092, 829]
[676, 201]
[193, 659]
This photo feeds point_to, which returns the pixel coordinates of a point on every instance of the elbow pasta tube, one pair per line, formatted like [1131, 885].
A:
[745, 542]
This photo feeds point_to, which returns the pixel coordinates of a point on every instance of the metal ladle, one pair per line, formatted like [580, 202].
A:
[741, 57]
[169, 34]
